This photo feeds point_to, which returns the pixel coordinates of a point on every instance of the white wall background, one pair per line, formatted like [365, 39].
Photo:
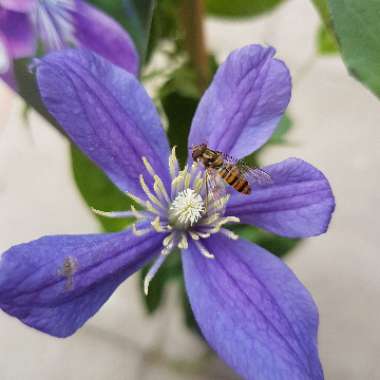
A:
[337, 129]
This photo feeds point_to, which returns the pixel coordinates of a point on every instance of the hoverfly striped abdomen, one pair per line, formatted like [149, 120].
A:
[232, 175]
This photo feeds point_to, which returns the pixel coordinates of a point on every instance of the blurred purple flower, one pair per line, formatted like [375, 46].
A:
[58, 24]
[250, 307]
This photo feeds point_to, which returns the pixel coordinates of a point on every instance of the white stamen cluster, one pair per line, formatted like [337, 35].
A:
[187, 209]
[53, 22]
[184, 212]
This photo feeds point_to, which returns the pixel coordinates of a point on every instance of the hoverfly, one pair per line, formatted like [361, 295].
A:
[233, 172]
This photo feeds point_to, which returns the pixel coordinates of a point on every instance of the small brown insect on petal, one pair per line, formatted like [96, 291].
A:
[68, 269]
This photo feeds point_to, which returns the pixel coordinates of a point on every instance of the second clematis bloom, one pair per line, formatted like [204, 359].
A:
[57, 24]
[250, 307]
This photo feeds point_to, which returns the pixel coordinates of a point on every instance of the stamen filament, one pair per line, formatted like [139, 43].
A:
[183, 244]
[152, 271]
[136, 199]
[148, 167]
[150, 208]
[159, 188]
[203, 250]
[173, 163]
[156, 223]
[138, 214]
[168, 240]
[228, 219]
[152, 198]
[230, 234]
[113, 214]
[204, 235]
[209, 220]
[194, 235]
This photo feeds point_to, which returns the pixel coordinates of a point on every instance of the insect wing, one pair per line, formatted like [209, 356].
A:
[231, 160]
[252, 175]
[215, 185]
[255, 175]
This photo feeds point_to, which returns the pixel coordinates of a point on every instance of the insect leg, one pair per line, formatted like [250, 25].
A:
[207, 190]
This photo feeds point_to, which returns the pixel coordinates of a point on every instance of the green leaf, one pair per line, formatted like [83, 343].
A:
[326, 41]
[357, 27]
[134, 15]
[98, 191]
[240, 8]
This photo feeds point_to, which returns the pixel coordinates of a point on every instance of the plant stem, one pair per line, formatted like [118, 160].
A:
[192, 19]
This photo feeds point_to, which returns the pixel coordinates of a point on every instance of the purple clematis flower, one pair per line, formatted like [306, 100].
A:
[250, 307]
[58, 24]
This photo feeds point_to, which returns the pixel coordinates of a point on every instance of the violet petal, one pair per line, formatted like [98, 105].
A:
[244, 103]
[253, 311]
[98, 32]
[56, 283]
[299, 202]
[107, 113]
[18, 5]
[17, 29]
